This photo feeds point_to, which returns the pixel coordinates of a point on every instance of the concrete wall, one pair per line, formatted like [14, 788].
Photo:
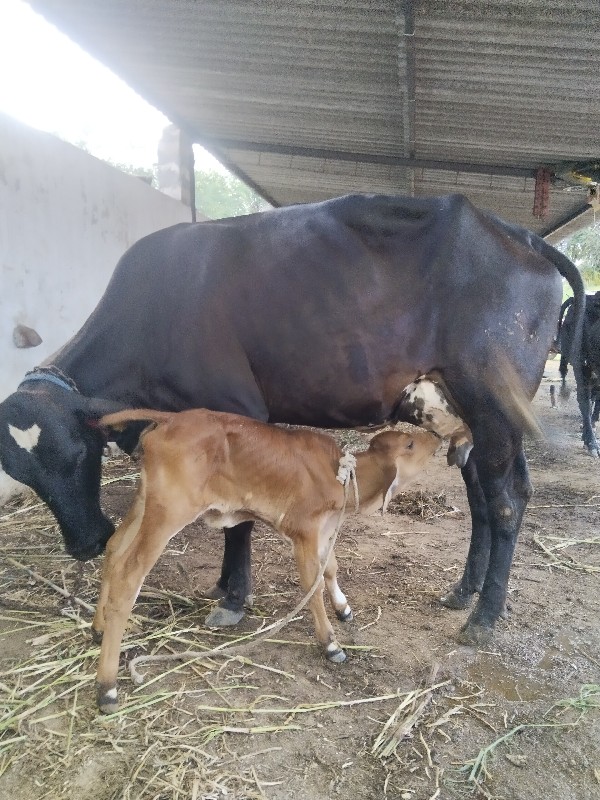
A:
[65, 220]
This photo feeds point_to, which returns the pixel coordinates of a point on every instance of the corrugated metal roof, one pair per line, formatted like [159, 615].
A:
[312, 99]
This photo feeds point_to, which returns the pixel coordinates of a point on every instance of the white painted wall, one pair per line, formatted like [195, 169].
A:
[65, 220]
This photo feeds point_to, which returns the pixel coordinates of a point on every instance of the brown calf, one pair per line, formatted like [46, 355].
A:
[228, 469]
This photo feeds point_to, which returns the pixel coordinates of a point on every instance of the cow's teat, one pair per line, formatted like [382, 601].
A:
[425, 404]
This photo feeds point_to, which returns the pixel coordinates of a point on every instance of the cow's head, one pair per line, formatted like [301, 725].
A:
[48, 443]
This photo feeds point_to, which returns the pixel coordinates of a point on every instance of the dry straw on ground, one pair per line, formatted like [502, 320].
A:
[173, 736]
[201, 729]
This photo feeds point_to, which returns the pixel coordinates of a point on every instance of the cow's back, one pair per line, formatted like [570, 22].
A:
[326, 310]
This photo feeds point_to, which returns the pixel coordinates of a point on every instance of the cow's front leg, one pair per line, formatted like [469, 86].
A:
[234, 587]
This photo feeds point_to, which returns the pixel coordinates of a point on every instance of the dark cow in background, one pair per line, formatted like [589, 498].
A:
[322, 315]
[588, 358]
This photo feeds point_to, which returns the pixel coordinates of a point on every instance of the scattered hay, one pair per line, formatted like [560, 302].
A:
[406, 718]
[588, 699]
[182, 735]
[424, 506]
[552, 544]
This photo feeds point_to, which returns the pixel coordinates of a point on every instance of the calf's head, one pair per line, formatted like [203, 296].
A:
[402, 456]
[47, 443]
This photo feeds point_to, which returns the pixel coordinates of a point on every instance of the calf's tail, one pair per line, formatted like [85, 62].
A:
[120, 419]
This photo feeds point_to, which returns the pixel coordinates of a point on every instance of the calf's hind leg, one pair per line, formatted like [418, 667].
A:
[117, 544]
[126, 573]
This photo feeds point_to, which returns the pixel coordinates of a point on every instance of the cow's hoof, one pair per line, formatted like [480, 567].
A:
[335, 653]
[107, 700]
[475, 635]
[97, 636]
[456, 601]
[223, 617]
[216, 593]
[346, 615]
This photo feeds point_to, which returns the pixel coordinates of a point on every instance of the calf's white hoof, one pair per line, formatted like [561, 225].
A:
[346, 615]
[335, 653]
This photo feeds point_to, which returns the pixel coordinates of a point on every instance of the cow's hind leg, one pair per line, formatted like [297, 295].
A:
[461, 594]
[582, 380]
[504, 480]
[563, 369]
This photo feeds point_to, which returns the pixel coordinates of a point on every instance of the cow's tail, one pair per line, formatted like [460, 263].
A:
[563, 310]
[575, 355]
[569, 271]
[120, 419]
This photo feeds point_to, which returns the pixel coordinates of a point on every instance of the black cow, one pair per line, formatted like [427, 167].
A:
[320, 315]
[589, 356]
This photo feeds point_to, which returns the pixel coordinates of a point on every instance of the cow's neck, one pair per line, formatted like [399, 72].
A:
[88, 362]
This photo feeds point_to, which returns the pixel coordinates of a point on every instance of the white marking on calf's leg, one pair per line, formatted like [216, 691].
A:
[26, 439]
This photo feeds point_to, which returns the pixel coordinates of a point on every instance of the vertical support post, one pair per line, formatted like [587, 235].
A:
[541, 197]
[175, 170]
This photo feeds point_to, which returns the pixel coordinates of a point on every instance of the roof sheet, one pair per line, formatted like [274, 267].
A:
[309, 99]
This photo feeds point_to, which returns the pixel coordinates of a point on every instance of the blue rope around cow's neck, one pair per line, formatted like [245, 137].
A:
[51, 374]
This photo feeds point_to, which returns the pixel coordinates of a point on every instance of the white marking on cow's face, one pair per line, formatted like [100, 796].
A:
[26, 439]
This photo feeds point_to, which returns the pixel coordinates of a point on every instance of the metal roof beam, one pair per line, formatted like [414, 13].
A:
[368, 158]
[555, 230]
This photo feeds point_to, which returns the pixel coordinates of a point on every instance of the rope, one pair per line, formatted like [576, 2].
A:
[346, 472]
[227, 649]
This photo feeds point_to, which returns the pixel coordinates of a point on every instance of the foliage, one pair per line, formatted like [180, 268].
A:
[147, 174]
[583, 248]
[221, 195]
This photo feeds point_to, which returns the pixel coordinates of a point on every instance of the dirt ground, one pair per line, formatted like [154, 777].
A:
[410, 715]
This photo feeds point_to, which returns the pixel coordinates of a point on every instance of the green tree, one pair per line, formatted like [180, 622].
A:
[221, 195]
[146, 174]
[583, 248]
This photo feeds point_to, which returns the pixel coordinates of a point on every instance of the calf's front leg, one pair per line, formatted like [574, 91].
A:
[338, 599]
[307, 558]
